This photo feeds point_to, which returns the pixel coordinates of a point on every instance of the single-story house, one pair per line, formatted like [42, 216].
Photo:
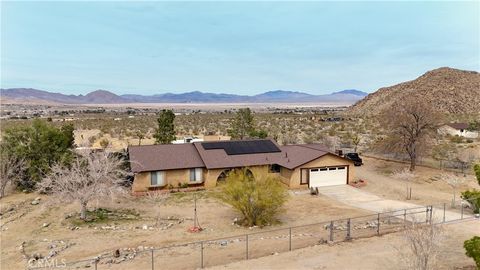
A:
[206, 163]
[459, 129]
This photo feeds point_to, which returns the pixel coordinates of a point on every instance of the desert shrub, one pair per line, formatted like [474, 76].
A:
[104, 143]
[473, 197]
[456, 139]
[258, 199]
[472, 248]
[476, 169]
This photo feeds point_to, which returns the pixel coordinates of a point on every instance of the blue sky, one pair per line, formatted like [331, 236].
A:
[232, 47]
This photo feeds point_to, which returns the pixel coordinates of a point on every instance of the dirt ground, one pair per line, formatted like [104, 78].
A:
[29, 229]
[426, 188]
[375, 253]
[25, 223]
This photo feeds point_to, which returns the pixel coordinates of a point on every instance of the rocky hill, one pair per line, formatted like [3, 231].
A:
[446, 89]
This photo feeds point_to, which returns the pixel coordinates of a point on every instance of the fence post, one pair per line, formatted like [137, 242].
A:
[426, 214]
[290, 239]
[246, 246]
[431, 214]
[404, 217]
[331, 231]
[378, 223]
[153, 266]
[201, 254]
[444, 206]
[462, 212]
[348, 229]
[96, 262]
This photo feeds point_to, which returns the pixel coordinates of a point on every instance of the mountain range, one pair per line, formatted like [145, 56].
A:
[446, 90]
[29, 95]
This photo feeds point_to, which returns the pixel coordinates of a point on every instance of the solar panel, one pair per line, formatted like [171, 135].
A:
[243, 147]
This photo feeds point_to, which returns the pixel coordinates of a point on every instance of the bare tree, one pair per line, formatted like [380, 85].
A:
[421, 247]
[466, 157]
[10, 170]
[409, 127]
[92, 175]
[407, 176]
[159, 199]
[453, 181]
[356, 141]
[332, 142]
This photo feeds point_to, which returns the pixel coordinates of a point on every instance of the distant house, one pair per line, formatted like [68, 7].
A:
[459, 129]
[206, 163]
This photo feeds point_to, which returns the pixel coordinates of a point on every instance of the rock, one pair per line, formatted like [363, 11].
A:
[44, 225]
[140, 248]
[38, 199]
[35, 202]
[52, 253]
[37, 256]
[223, 243]
[116, 254]
[145, 227]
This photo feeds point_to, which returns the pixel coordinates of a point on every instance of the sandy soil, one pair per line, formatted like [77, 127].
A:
[25, 224]
[368, 253]
[425, 190]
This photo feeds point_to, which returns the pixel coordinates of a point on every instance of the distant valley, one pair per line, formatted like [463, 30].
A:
[29, 95]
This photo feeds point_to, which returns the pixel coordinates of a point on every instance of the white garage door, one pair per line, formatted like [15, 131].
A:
[331, 176]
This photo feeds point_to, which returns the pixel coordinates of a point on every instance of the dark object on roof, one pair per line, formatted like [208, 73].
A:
[164, 157]
[458, 126]
[243, 147]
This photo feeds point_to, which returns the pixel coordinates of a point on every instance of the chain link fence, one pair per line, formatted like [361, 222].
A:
[225, 250]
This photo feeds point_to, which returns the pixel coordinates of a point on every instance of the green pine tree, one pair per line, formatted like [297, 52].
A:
[165, 132]
[242, 125]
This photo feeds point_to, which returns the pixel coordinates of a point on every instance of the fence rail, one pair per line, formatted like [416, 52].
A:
[229, 249]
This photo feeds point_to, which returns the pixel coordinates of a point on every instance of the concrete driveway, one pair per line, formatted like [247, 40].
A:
[361, 199]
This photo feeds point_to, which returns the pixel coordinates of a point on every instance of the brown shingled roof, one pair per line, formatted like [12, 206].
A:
[164, 157]
[291, 156]
[458, 125]
[193, 155]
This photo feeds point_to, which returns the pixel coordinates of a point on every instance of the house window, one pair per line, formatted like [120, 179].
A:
[157, 178]
[196, 175]
[274, 168]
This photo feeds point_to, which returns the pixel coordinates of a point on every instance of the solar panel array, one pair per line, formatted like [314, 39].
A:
[243, 147]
